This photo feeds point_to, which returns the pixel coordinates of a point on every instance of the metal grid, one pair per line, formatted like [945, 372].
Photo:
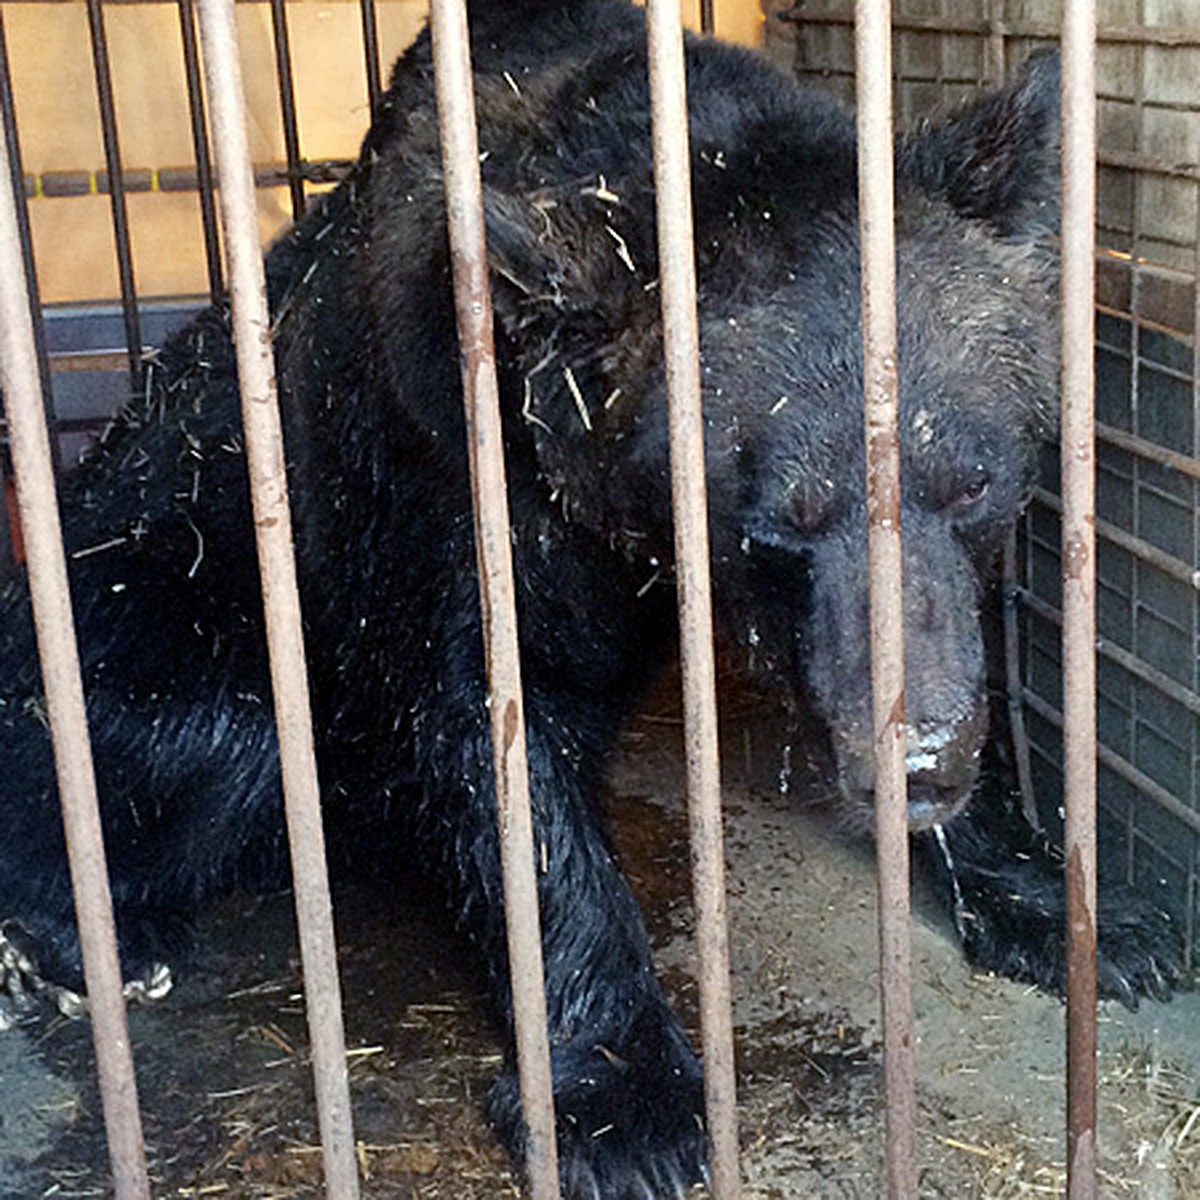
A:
[1148, 401]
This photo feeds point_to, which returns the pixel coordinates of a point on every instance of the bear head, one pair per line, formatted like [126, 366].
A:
[781, 362]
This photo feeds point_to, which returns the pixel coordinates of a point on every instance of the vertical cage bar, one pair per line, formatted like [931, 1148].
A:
[1191, 899]
[204, 172]
[1193, 903]
[63, 688]
[681, 349]
[272, 520]
[1018, 734]
[1079, 582]
[1140, 474]
[993, 44]
[287, 105]
[708, 17]
[370, 28]
[493, 543]
[8, 113]
[116, 191]
[873, 71]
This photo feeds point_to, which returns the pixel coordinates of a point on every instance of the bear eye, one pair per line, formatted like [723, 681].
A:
[969, 493]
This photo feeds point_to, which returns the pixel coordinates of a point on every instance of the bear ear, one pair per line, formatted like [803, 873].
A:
[566, 260]
[526, 281]
[998, 160]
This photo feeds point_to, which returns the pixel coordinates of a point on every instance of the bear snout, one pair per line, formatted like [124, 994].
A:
[942, 763]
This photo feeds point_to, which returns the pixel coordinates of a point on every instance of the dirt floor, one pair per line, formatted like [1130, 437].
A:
[224, 1078]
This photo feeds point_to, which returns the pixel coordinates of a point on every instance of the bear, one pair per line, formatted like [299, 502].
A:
[159, 534]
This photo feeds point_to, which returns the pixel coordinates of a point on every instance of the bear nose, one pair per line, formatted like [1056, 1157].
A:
[942, 755]
[941, 761]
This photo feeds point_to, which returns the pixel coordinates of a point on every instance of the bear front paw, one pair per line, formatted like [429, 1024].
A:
[1139, 950]
[630, 1117]
[1019, 930]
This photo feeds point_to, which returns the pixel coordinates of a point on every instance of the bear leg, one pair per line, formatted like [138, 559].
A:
[627, 1085]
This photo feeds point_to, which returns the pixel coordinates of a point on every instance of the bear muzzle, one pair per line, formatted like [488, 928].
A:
[942, 763]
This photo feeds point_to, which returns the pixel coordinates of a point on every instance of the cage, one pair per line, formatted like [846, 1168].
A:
[1147, 234]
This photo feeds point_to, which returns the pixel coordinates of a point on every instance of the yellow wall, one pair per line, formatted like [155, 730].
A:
[58, 117]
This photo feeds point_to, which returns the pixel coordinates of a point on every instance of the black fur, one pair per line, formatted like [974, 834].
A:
[167, 599]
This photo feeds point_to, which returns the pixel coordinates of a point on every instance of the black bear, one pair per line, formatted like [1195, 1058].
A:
[163, 566]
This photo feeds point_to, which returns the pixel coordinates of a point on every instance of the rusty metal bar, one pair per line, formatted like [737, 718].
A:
[681, 349]
[1143, 163]
[63, 688]
[1122, 767]
[1141, 550]
[57, 184]
[287, 105]
[873, 71]
[116, 187]
[272, 519]
[9, 116]
[1018, 735]
[493, 543]
[1079, 583]
[370, 28]
[1141, 448]
[204, 171]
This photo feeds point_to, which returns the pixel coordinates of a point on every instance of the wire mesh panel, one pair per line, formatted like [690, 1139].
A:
[1147, 402]
[123, 229]
[1147, 468]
